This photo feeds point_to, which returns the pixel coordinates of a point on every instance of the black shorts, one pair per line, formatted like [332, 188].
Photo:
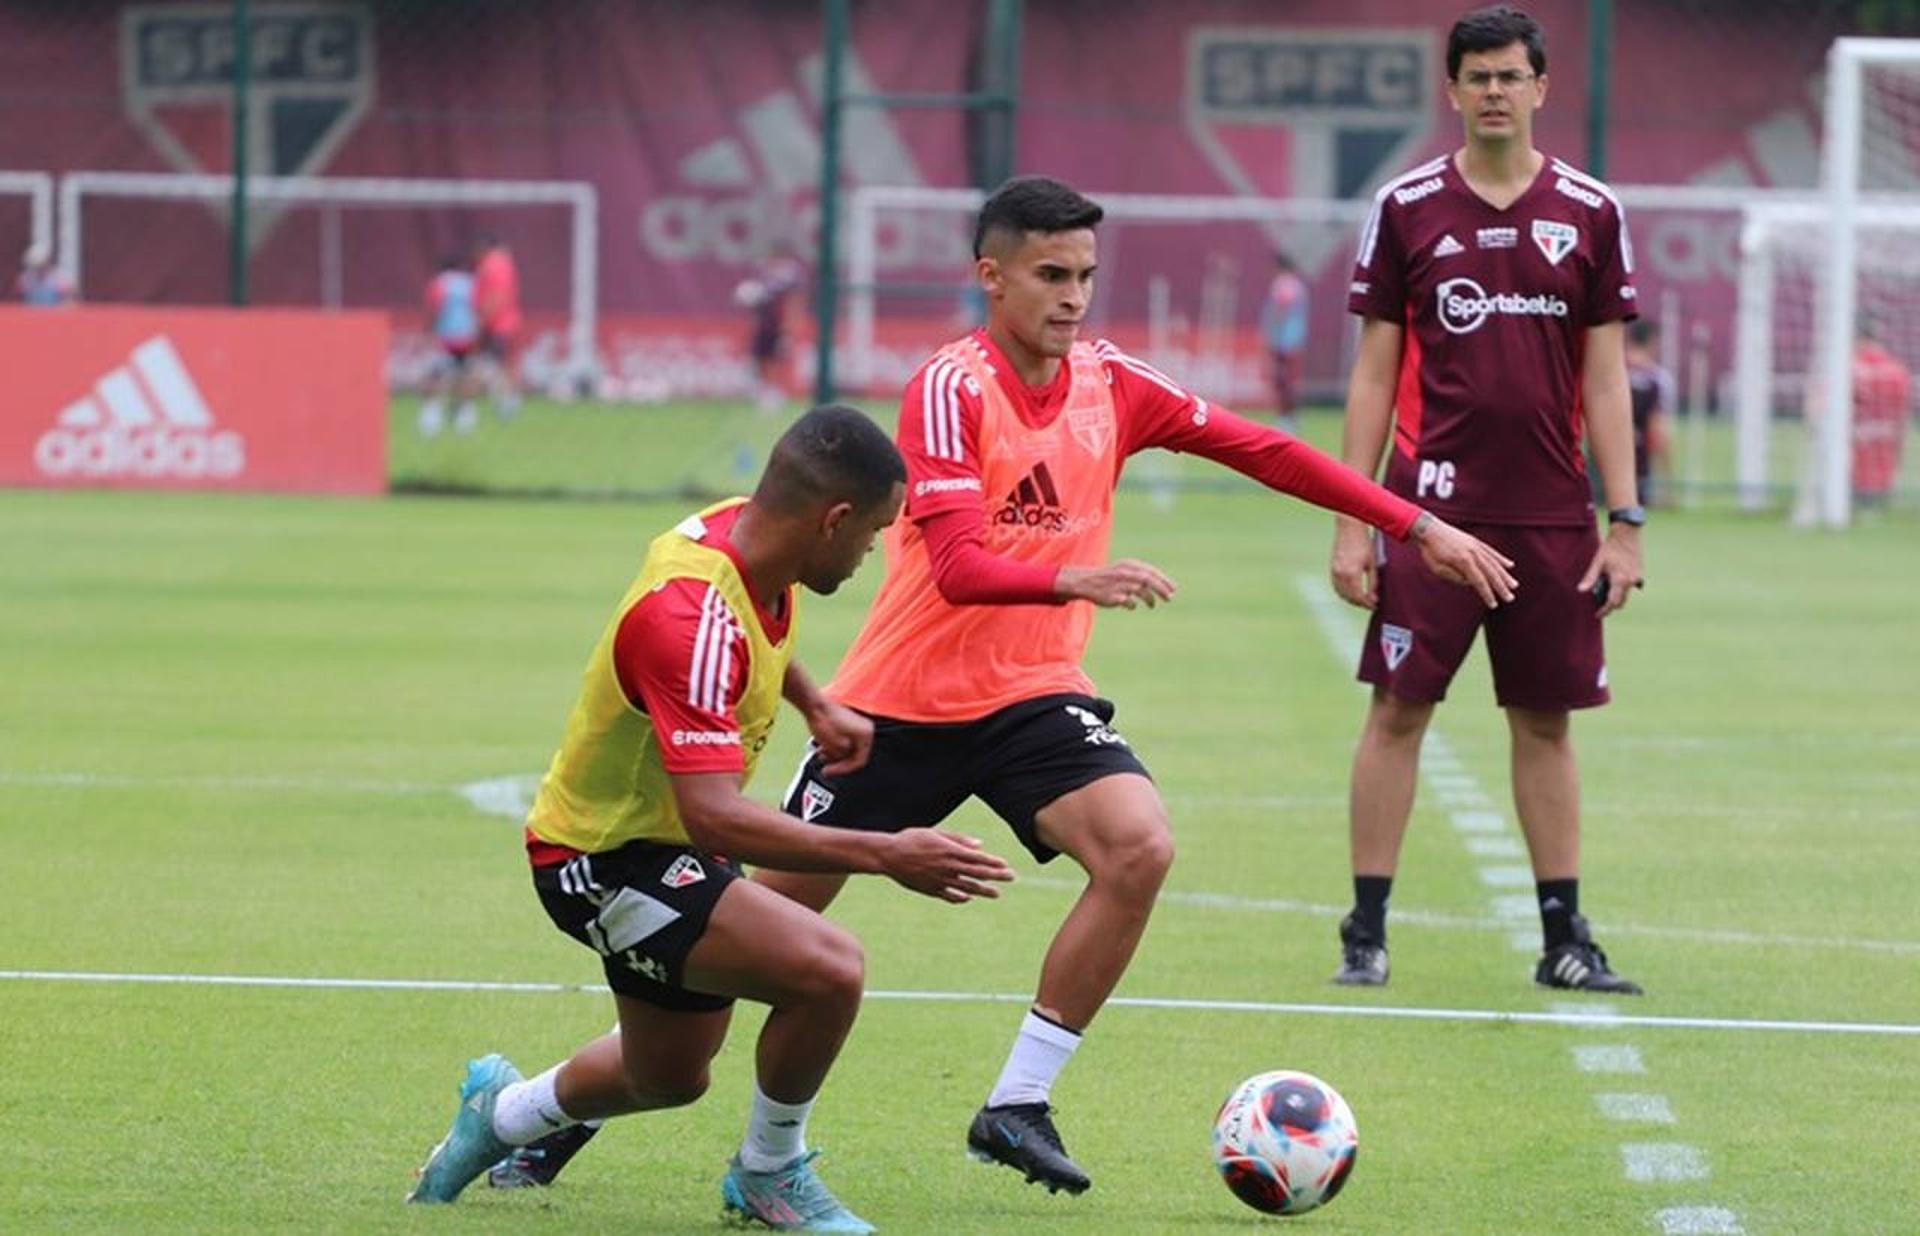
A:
[1016, 761]
[641, 907]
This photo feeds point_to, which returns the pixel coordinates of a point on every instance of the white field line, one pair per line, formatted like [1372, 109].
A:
[1635, 1108]
[495, 796]
[1609, 1058]
[1484, 833]
[1649, 1162]
[1698, 1221]
[1593, 1016]
[1448, 780]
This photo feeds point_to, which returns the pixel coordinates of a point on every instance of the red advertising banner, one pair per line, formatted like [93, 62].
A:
[255, 399]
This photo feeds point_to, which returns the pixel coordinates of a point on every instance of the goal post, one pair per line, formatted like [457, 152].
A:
[1871, 148]
[37, 188]
[577, 198]
[1716, 310]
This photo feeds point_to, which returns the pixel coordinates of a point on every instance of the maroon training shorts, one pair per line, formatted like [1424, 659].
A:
[1545, 644]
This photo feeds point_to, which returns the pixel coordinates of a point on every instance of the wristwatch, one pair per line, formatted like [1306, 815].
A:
[1632, 516]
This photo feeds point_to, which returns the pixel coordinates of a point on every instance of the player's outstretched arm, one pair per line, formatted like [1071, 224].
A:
[1124, 584]
[722, 820]
[1455, 556]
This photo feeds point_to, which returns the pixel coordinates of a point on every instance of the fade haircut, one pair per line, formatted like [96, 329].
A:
[1033, 204]
[831, 454]
[1492, 28]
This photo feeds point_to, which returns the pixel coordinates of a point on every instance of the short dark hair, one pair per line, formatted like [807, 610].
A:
[1642, 331]
[1034, 204]
[1492, 28]
[833, 453]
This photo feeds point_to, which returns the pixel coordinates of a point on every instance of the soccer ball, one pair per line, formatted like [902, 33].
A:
[1285, 1142]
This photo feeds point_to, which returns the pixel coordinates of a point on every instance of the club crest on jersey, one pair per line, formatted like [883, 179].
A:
[1554, 239]
[685, 870]
[1395, 644]
[1092, 428]
[814, 801]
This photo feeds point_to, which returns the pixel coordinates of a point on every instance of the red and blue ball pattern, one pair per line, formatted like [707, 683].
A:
[1285, 1142]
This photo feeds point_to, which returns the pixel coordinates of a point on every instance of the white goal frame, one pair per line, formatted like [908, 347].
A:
[1846, 209]
[1752, 343]
[37, 188]
[576, 196]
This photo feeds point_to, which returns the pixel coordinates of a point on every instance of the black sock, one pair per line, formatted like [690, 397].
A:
[1559, 902]
[1370, 904]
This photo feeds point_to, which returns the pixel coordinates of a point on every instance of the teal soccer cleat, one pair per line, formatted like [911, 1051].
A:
[789, 1199]
[470, 1146]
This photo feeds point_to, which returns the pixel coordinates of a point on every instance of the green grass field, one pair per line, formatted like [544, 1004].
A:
[236, 732]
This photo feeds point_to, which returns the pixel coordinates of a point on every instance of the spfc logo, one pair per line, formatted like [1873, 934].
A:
[685, 870]
[1555, 239]
[1355, 106]
[814, 801]
[1395, 644]
[311, 83]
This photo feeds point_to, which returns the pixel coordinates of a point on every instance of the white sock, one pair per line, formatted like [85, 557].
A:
[776, 1133]
[1040, 1051]
[527, 1111]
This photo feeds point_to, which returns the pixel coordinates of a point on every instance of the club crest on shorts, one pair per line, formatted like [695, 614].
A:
[685, 870]
[1555, 239]
[1395, 644]
[1099, 733]
[814, 801]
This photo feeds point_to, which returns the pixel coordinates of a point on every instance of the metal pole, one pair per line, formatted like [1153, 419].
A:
[237, 219]
[826, 277]
[1599, 70]
[1002, 55]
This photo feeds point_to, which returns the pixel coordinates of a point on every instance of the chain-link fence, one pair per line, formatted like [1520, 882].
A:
[652, 167]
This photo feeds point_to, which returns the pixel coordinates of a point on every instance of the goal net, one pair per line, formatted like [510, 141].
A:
[1183, 280]
[343, 242]
[1865, 310]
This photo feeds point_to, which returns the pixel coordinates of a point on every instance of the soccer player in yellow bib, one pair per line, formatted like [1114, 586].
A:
[640, 822]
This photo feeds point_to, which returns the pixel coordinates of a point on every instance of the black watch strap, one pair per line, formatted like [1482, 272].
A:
[1633, 516]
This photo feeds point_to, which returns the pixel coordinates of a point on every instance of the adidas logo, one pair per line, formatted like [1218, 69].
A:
[1034, 503]
[145, 419]
[1448, 246]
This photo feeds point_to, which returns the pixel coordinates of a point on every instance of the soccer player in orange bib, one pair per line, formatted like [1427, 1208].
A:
[969, 663]
[640, 821]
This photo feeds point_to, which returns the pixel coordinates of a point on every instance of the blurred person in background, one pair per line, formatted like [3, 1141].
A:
[1882, 405]
[1652, 390]
[764, 296]
[496, 282]
[453, 316]
[40, 282]
[1283, 326]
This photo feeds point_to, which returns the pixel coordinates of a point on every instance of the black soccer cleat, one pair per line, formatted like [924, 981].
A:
[1578, 964]
[1363, 956]
[535, 1165]
[1022, 1136]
